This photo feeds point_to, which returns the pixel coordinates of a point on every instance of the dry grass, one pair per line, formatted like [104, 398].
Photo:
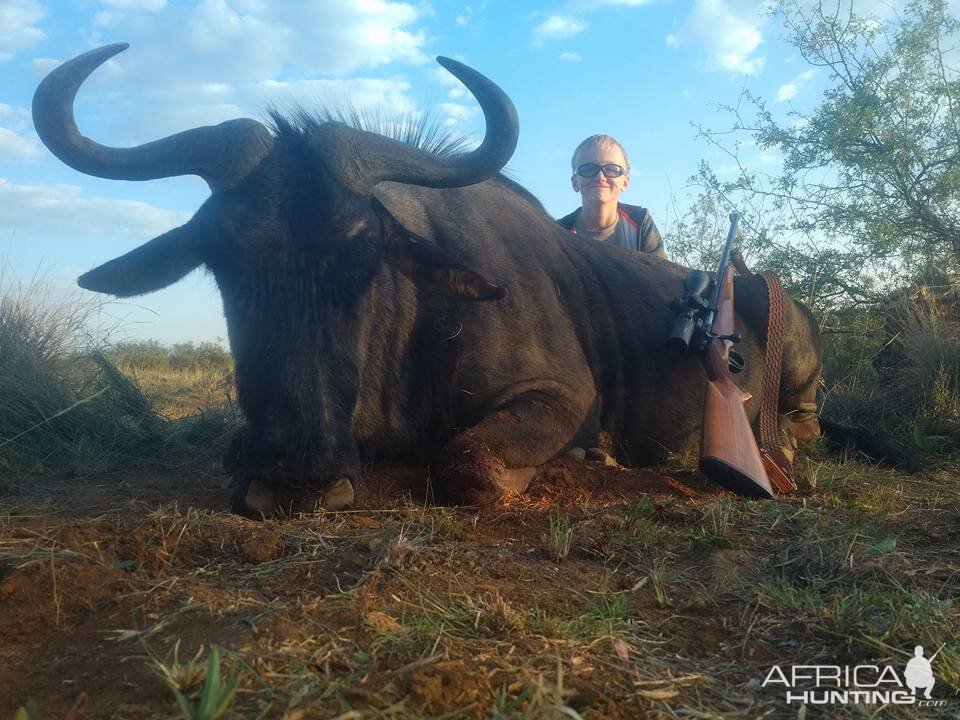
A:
[897, 368]
[406, 611]
[67, 408]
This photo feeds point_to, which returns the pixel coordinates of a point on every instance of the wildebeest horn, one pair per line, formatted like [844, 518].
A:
[361, 159]
[221, 154]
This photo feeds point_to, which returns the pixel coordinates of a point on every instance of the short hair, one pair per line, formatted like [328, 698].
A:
[603, 141]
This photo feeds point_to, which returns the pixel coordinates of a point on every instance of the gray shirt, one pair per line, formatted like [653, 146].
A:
[634, 230]
[622, 233]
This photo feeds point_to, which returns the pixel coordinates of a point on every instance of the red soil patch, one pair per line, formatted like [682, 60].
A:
[90, 578]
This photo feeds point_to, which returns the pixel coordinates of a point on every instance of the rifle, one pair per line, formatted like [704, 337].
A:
[728, 450]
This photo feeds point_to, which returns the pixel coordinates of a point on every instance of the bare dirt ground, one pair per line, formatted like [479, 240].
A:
[673, 599]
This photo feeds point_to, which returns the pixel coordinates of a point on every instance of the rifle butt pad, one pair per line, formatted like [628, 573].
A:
[735, 479]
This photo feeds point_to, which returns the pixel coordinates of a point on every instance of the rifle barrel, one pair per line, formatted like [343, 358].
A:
[724, 259]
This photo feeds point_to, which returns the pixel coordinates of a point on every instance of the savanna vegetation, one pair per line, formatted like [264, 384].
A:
[128, 592]
[862, 220]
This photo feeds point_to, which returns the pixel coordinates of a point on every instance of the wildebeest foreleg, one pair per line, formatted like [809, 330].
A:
[498, 456]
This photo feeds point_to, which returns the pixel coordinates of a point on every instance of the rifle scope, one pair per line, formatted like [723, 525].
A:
[688, 307]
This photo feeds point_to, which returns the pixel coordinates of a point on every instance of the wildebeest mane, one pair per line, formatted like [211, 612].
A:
[424, 132]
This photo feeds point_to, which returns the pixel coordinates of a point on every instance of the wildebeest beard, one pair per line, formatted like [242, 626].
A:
[295, 352]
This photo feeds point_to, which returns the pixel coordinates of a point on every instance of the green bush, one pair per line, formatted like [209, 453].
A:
[187, 356]
[897, 368]
[146, 354]
[926, 357]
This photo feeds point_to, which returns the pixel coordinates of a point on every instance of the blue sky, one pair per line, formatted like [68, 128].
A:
[640, 70]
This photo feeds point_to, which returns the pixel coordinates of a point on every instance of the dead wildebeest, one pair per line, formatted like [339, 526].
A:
[386, 302]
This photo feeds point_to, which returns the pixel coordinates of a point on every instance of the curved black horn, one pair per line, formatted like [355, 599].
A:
[361, 159]
[221, 154]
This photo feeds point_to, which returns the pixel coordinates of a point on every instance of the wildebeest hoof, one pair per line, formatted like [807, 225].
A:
[515, 480]
[337, 495]
[256, 500]
[482, 479]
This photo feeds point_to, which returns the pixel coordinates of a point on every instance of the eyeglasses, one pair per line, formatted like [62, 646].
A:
[589, 170]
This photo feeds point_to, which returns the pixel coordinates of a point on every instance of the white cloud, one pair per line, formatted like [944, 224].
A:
[17, 21]
[472, 16]
[455, 88]
[251, 41]
[727, 170]
[557, 27]
[589, 5]
[445, 77]
[14, 146]
[789, 90]
[141, 5]
[63, 210]
[118, 10]
[106, 19]
[217, 89]
[571, 57]
[467, 17]
[671, 40]
[233, 58]
[459, 111]
[15, 116]
[211, 103]
[456, 113]
[41, 66]
[770, 157]
[387, 94]
[17, 139]
[730, 31]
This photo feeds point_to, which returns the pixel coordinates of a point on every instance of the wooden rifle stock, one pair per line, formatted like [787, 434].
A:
[728, 452]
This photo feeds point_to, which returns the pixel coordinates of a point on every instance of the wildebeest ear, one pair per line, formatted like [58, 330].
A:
[152, 266]
[429, 266]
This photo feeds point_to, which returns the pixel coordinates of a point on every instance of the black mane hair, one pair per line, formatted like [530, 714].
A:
[424, 132]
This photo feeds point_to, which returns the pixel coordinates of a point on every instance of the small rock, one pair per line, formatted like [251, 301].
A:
[600, 455]
[577, 453]
[596, 453]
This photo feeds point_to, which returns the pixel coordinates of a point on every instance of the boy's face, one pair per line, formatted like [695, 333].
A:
[600, 189]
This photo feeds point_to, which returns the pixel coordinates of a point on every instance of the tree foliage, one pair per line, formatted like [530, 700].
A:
[870, 181]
